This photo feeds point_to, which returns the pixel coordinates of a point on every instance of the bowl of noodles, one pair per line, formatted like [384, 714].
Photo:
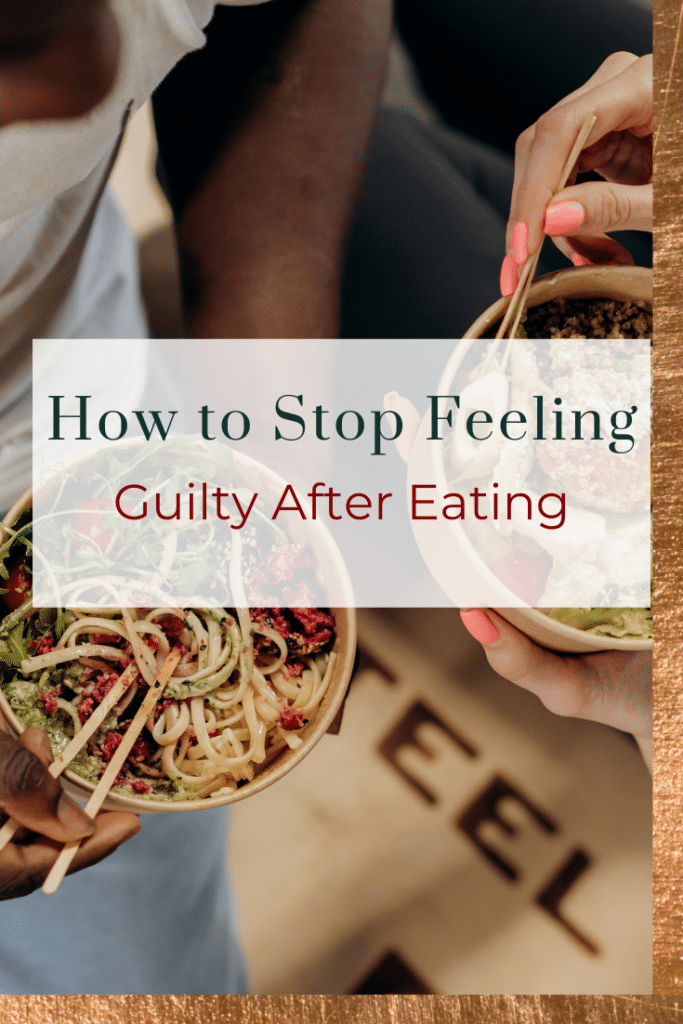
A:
[255, 688]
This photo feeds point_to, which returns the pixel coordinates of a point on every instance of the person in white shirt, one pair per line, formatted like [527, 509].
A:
[156, 916]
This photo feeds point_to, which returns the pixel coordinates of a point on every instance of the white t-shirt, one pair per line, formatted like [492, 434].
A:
[67, 262]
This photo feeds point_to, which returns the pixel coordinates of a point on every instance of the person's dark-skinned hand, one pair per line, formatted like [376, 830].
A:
[49, 817]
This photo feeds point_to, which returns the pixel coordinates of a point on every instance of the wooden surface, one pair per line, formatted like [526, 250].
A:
[340, 1010]
[668, 496]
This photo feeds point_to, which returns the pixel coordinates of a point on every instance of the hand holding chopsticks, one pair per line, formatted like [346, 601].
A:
[514, 312]
[580, 216]
[61, 865]
[90, 726]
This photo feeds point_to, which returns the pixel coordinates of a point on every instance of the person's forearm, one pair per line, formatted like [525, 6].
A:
[263, 236]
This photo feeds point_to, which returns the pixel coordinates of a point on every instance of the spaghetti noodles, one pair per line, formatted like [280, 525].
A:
[247, 683]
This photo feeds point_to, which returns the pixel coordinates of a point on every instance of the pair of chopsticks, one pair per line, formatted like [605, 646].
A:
[68, 852]
[513, 314]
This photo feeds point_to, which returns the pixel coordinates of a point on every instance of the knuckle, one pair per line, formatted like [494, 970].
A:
[615, 208]
[573, 693]
[563, 700]
[524, 140]
[20, 773]
[555, 123]
[15, 881]
[619, 60]
[563, 697]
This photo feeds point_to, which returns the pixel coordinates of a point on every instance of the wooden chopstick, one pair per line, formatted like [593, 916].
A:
[68, 851]
[522, 285]
[90, 726]
[518, 300]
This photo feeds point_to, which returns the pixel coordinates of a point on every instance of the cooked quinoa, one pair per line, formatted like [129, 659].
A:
[583, 318]
[587, 318]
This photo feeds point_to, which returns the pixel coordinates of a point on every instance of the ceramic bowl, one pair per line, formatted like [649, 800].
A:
[344, 647]
[446, 549]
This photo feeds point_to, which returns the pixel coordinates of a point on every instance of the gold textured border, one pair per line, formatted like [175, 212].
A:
[340, 1010]
[667, 486]
[668, 832]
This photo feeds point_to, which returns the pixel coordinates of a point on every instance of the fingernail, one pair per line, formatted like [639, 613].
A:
[520, 240]
[479, 625]
[73, 818]
[564, 218]
[581, 261]
[508, 275]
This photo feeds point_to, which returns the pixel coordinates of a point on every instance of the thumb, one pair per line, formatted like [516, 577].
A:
[29, 794]
[596, 207]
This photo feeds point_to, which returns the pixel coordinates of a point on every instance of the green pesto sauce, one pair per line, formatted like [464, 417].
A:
[624, 623]
[23, 696]
[164, 791]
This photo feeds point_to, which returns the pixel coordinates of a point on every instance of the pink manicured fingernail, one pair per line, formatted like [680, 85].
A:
[520, 239]
[479, 625]
[508, 275]
[564, 218]
[581, 261]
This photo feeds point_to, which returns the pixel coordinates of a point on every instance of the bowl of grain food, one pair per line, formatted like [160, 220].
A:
[526, 570]
[584, 302]
[254, 690]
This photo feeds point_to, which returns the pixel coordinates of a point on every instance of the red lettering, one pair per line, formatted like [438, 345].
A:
[281, 507]
[421, 501]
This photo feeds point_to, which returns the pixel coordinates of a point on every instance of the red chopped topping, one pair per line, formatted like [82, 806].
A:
[313, 620]
[293, 668]
[271, 617]
[306, 630]
[140, 787]
[172, 626]
[105, 681]
[291, 719]
[317, 630]
[42, 644]
[49, 699]
[153, 642]
[110, 746]
[109, 639]
[141, 750]
[301, 597]
[285, 566]
[85, 708]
